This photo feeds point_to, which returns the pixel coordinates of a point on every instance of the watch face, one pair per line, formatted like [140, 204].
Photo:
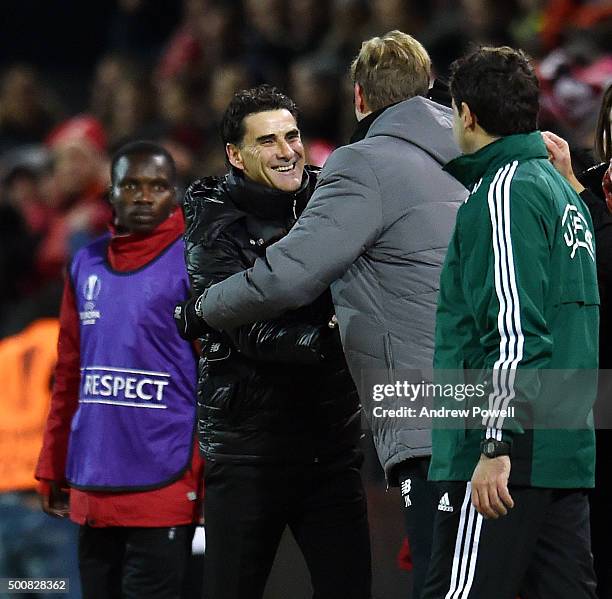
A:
[493, 448]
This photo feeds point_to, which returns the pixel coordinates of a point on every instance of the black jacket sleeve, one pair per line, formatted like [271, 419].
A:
[286, 339]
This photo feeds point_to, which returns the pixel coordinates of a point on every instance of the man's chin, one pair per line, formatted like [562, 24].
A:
[142, 228]
[287, 184]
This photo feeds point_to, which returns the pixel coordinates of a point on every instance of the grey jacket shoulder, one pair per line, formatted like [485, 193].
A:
[420, 122]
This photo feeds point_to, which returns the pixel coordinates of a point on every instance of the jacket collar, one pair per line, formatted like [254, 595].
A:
[266, 202]
[363, 126]
[439, 93]
[469, 168]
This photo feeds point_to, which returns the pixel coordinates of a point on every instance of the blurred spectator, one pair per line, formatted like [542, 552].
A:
[410, 16]
[267, 49]
[110, 72]
[25, 114]
[317, 151]
[313, 85]
[77, 192]
[133, 111]
[308, 21]
[185, 162]
[24, 218]
[178, 107]
[23, 169]
[349, 21]
[489, 21]
[559, 14]
[205, 36]
[572, 79]
[183, 52]
[446, 40]
[225, 81]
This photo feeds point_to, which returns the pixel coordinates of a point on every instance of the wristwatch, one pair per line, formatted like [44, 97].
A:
[492, 448]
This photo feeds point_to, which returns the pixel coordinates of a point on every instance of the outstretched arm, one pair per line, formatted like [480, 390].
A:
[302, 336]
[341, 221]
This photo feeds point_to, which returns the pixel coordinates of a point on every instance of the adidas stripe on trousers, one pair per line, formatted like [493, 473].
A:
[540, 550]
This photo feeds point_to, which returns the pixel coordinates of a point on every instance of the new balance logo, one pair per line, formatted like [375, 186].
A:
[405, 487]
[444, 505]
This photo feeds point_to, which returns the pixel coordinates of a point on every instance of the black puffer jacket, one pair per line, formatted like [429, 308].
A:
[278, 390]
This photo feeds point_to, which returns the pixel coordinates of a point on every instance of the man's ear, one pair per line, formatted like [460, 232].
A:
[468, 118]
[360, 103]
[234, 156]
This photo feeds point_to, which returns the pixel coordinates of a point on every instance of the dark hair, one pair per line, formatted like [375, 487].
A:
[603, 133]
[251, 101]
[500, 87]
[139, 148]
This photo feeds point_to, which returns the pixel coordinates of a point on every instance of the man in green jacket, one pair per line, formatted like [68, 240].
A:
[518, 301]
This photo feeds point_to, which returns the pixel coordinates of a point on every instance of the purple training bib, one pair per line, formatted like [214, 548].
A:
[135, 422]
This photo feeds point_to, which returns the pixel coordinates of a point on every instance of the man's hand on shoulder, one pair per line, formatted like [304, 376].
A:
[560, 158]
[189, 321]
[490, 495]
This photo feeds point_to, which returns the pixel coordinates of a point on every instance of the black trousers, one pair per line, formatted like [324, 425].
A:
[419, 500]
[601, 514]
[540, 550]
[133, 563]
[247, 507]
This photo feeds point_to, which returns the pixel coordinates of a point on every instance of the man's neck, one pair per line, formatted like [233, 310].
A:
[363, 124]
[479, 141]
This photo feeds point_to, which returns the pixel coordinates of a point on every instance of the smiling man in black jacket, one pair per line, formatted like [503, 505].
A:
[278, 414]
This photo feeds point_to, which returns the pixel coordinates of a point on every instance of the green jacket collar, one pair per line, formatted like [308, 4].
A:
[469, 168]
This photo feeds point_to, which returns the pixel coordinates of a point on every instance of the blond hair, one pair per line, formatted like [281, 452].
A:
[391, 68]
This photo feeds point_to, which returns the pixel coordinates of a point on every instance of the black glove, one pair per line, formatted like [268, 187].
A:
[190, 326]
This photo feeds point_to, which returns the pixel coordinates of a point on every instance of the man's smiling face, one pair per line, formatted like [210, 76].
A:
[271, 152]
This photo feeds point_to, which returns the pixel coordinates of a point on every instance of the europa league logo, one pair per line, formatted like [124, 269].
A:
[91, 290]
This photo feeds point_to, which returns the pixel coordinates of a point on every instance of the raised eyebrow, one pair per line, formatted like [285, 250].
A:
[262, 138]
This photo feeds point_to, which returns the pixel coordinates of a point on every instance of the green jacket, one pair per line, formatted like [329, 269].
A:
[519, 301]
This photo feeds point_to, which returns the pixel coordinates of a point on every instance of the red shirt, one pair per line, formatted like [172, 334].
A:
[173, 505]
